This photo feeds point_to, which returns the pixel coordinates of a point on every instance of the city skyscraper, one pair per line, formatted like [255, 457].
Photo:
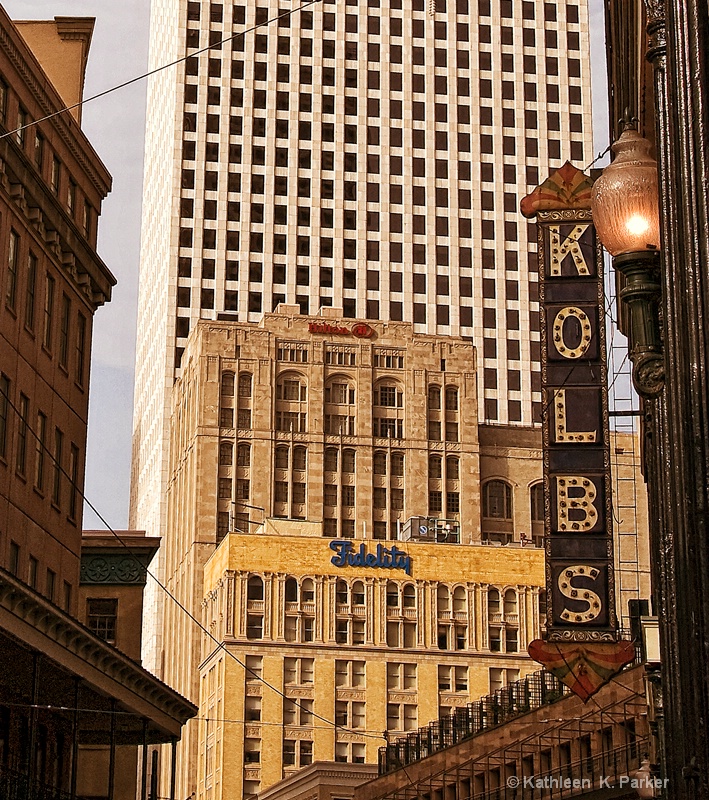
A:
[369, 158]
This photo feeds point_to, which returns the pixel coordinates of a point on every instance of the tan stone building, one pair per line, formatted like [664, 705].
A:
[304, 430]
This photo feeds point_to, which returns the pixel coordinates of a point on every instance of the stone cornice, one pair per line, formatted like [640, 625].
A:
[50, 102]
[56, 627]
[58, 233]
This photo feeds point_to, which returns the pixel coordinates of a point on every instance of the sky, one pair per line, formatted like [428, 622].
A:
[115, 125]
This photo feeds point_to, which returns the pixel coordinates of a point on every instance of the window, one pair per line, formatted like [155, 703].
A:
[21, 455]
[244, 385]
[30, 289]
[451, 398]
[41, 445]
[434, 397]
[226, 453]
[536, 497]
[349, 714]
[32, 572]
[243, 455]
[291, 389]
[298, 671]
[48, 311]
[297, 753]
[402, 717]
[12, 260]
[497, 500]
[80, 349]
[57, 481]
[101, 618]
[55, 176]
[452, 678]
[401, 676]
[350, 674]
[298, 712]
[388, 396]
[227, 385]
[340, 393]
[64, 331]
[352, 752]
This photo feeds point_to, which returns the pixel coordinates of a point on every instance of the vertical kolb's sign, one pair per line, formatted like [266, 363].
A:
[577, 479]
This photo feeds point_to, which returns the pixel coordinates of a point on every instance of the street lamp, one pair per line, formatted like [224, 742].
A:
[625, 210]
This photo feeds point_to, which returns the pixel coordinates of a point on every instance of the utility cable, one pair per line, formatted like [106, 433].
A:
[220, 645]
[150, 73]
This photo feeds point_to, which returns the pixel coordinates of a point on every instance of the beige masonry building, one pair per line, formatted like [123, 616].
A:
[301, 431]
[370, 648]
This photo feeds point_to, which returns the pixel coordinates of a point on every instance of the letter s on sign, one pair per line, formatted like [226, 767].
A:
[584, 595]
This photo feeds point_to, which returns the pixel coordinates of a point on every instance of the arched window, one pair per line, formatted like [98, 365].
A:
[226, 454]
[254, 588]
[307, 590]
[497, 500]
[397, 464]
[510, 602]
[245, 384]
[299, 457]
[243, 410]
[227, 384]
[388, 395]
[452, 468]
[348, 460]
[331, 455]
[459, 598]
[493, 602]
[536, 499]
[434, 466]
[380, 463]
[443, 596]
[342, 593]
[282, 457]
[409, 596]
[434, 398]
[291, 387]
[291, 590]
[451, 398]
[392, 595]
[243, 455]
[340, 392]
[358, 593]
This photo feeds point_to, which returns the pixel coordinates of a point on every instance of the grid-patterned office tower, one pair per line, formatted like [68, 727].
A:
[364, 155]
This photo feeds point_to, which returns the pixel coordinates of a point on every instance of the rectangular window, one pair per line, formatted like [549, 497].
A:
[12, 256]
[102, 617]
[57, 480]
[22, 120]
[48, 311]
[51, 584]
[64, 331]
[74, 477]
[32, 572]
[80, 349]
[41, 445]
[14, 565]
[21, 460]
[55, 177]
[71, 198]
[30, 289]
[4, 409]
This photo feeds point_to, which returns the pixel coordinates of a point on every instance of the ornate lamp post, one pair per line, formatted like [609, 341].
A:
[626, 214]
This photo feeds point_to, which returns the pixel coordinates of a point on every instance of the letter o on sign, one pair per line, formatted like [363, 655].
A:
[558, 332]
[362, 330]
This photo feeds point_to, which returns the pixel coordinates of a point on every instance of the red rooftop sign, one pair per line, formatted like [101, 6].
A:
[361, 330]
